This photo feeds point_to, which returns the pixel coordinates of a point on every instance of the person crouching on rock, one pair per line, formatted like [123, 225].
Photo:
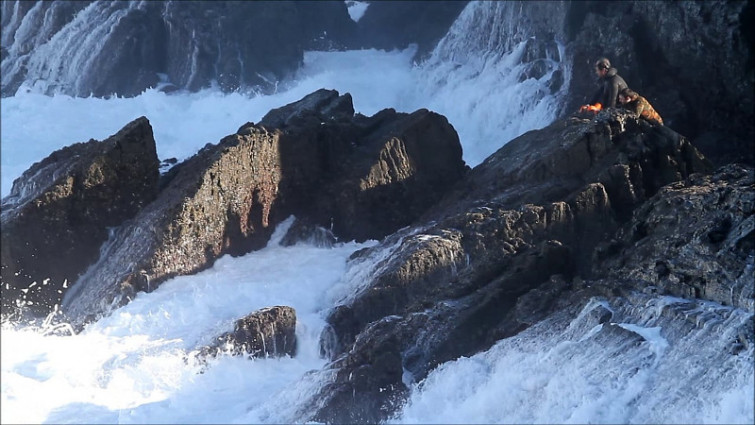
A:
[639, 105]
[611, 84]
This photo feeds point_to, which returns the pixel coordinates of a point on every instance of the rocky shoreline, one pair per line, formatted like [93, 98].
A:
[605, 206]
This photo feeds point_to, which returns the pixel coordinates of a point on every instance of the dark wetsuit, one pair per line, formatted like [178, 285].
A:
[608, 93]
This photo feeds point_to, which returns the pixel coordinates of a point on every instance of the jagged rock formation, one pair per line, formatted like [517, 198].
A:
[269, 332]
[361, 177]
[60, 210]
[693, 239]
[495, 254]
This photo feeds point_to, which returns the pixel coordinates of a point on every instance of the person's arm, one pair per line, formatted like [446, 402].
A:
[633, 107]
[613, 94]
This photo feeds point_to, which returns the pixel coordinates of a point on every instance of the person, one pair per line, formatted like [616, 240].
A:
[611, 84]
[639, 105]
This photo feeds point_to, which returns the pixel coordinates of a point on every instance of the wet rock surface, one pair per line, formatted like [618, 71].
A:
[693, 239]
[61, 210]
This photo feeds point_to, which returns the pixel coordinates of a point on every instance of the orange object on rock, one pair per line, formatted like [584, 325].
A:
[594, 108]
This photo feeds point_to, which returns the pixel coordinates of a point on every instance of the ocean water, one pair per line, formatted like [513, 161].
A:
[136, 365]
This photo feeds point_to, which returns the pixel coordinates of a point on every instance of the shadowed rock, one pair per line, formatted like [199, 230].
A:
[663, 50]
[234, 45]
[693, 239]
[60, 211]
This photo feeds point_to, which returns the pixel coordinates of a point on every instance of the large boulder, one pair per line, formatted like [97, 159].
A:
[361, 177]
[525, 220]
[60, 211]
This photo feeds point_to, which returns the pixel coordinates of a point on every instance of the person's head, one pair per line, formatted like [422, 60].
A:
[602, 66]
[627, 95]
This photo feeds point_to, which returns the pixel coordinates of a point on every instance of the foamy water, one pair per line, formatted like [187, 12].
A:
[135, 365]
[573, 371]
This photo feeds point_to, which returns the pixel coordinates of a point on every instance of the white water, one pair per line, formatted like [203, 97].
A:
[130, 367]
[578, 372]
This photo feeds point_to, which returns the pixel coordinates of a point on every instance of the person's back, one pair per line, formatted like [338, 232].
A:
[611, 81]
[639, 105]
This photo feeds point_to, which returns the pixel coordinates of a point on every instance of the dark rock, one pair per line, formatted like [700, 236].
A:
[628, 156]
[603, 168]
[367, 386]
[301, 232]
[411, 22]
[361, 178]
[219, 202]
[318, 107]
[269, 332]
[60, 211]
[693, 239]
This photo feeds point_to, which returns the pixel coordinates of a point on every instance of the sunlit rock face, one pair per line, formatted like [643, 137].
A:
[498, 253]
[269, 332]
[59, 212]
[361, 177]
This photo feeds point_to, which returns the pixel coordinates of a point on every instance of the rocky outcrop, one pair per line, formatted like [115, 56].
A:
[361, 177]
[495, 255]
[269, 332]
[59, 213]
[693, 239]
